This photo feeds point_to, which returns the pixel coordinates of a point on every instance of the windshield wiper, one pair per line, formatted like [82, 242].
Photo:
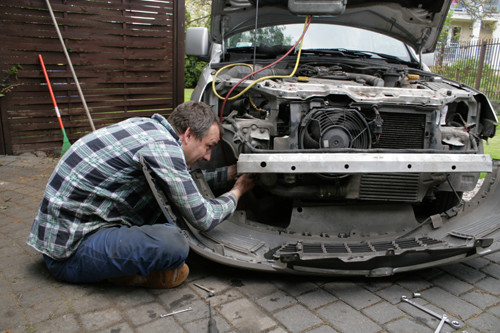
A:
[357, 54]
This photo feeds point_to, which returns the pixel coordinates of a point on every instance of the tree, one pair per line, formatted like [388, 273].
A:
[197, 15]
[478, 9]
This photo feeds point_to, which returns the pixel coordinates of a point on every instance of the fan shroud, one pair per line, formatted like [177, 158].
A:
[334, 129]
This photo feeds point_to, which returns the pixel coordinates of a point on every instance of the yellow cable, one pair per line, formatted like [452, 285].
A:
[262, 78]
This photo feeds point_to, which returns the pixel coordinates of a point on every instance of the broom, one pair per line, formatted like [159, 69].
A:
[66, 143]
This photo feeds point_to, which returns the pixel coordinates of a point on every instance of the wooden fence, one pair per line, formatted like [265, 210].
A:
[128, 56]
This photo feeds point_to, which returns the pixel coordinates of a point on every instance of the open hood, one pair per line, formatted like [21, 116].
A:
[416, 22]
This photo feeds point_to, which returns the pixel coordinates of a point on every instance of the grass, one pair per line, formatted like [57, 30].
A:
[187, 94]
[493, 148]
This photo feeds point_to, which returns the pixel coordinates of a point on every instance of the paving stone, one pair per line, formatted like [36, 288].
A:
[383, 312]
[490, 285]
[480, 299]
[297, 318]
[346, 319]
[393, 294]
[485, 323]
[477, 263]
[201, 325]
[145, 313]
[122, 327]
[452, 284]
[92, 301]
[494, 257]
[177, 297]
[352, 293]
[128, 297]
[492, 270]
[316, 298]
[495, 310]
[46, 310]
[100, 319]
[294, 287]
[256, 288]
[414, 284]
[62, 324]
[246, 316]
[278, 330]
[276, 300]
[450, 303]
[11, 317]
[228, 296]
[407, 325]
[200, 310]
[464, 273]
[322, 329]
[420, 316]
[161, 325]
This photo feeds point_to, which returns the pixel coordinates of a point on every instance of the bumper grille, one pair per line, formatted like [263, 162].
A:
[291, 252]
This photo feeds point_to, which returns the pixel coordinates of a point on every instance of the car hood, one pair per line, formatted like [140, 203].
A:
[417, 23]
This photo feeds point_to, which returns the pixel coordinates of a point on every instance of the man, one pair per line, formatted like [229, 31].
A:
[99, 219]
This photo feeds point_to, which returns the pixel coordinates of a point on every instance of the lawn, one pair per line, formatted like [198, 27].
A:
[187, 94]
[493, 148]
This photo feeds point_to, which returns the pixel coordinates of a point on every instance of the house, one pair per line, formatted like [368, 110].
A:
[465, 28]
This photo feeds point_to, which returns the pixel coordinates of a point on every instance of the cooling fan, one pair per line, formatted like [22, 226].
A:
[334, 129]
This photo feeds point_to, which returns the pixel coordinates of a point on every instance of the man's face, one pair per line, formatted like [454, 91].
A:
[196, 150]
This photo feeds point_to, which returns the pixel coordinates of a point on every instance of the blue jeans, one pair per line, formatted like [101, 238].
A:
[122, 251]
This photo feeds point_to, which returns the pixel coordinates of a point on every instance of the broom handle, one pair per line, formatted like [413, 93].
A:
[51, 92]
[70, 65]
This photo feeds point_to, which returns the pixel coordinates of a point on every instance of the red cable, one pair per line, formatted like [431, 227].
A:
[271, 64]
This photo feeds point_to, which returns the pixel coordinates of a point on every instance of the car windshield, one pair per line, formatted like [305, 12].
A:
[323, 37]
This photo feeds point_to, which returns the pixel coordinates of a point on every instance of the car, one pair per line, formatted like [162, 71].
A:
[361, 154]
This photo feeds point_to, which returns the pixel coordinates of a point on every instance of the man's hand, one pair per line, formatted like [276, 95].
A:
[232, 171]
[244, 183]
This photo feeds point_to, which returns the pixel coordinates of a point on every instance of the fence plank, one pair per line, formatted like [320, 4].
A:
[128, 56]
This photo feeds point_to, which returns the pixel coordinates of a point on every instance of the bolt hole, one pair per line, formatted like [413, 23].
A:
[263, 164]
[409, 166]
[453, 167]
[346, 166]
[293, 168]
[299, 209]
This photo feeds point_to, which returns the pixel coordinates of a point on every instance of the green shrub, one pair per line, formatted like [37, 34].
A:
[192, 70]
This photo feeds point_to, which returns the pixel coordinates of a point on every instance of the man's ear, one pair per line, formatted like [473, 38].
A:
[186, 136]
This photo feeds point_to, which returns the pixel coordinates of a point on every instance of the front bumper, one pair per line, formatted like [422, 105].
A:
[362, 163]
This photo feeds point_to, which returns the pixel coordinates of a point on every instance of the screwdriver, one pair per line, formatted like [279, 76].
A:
[212, 326]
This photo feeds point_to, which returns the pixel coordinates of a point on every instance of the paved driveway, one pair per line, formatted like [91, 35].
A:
[32, 301]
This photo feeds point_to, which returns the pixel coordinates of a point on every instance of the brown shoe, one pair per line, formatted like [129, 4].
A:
[157, 279]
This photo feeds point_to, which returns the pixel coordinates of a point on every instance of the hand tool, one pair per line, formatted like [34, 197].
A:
[212, 325]
[209, 291]
[175, 312]
[441, 323]
[455, 324]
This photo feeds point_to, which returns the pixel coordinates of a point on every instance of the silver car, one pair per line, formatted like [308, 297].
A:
[361, 153]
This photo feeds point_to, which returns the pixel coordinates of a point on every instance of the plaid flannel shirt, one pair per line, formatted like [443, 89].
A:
[99, 183]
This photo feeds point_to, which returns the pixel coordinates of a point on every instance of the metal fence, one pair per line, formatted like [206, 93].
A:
[476, 64]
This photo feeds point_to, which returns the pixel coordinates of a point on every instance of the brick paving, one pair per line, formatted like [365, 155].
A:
[32, 301]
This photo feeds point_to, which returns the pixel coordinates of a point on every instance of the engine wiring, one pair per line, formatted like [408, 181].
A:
[226, 98]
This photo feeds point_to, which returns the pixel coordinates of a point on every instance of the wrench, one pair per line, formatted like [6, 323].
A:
[175, 312]
[209, 291]
[441, 323]
[455, 324]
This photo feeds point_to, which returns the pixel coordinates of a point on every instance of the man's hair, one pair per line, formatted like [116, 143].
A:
[197, 116]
